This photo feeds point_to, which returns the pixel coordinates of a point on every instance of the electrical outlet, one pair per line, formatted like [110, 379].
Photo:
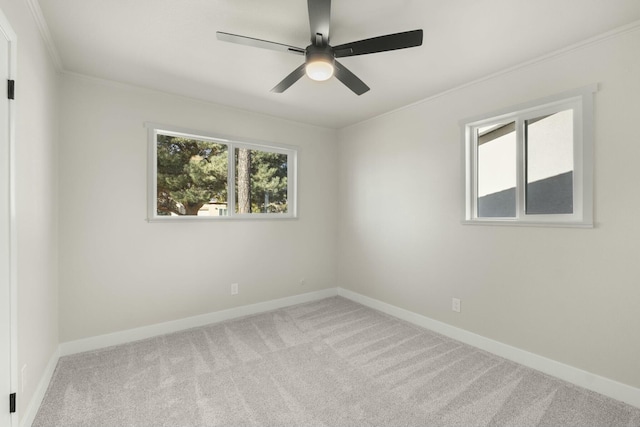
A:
[234, 289]
[455, 304]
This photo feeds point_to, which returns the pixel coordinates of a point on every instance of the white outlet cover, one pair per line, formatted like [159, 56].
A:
[455, 304]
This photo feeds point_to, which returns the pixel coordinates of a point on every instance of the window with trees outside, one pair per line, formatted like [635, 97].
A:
[196, 176]
[531, 164]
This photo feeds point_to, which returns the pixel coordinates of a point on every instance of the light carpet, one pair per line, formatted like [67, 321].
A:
[331, 362]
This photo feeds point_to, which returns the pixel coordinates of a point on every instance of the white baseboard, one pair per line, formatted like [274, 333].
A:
[602, 385]
[41, 389]
[122, 337]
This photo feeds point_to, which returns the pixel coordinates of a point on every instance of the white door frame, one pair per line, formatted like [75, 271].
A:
[10, 278]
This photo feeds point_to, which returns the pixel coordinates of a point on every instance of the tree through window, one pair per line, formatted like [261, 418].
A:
[201, 176]
[190, 174]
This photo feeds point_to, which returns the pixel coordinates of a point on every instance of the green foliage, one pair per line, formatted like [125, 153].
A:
[268, 182]
[190, 174]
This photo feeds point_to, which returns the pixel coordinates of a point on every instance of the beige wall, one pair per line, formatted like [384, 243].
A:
[36, 199]
[567, 294]
[118, 271]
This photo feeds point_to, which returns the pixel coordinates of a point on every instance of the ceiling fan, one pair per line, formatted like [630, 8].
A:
[320, 57]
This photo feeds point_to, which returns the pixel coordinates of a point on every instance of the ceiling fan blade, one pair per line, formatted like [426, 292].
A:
[319, 19]
[380, 44]
[264, 44]
[289, 80]
[349, 79]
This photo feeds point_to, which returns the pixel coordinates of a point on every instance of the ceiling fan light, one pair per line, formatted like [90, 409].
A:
[319, 70]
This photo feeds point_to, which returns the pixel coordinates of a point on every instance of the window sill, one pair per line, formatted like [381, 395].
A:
[252, 217]
[513, 223]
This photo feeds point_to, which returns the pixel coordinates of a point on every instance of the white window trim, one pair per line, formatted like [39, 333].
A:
[581, 101]
[153, 129]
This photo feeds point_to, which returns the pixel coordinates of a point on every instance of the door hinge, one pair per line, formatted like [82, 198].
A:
[11, 86]
[12, 403]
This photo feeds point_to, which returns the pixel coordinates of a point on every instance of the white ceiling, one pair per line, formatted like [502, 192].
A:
[170, 45]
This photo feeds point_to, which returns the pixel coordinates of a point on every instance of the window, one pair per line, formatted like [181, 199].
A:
[531, 164]
[196, 176]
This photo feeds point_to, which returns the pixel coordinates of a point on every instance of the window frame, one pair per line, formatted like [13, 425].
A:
[581, 102]
[153, 129]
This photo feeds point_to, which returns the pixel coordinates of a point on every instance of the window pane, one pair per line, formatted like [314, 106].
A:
[497, 170]
[261, 181]
[549, 167]
[191, 177]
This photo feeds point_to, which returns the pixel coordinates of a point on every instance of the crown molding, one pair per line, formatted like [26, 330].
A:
[36, 12]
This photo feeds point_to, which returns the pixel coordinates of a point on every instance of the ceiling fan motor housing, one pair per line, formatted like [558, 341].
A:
[319, 53]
